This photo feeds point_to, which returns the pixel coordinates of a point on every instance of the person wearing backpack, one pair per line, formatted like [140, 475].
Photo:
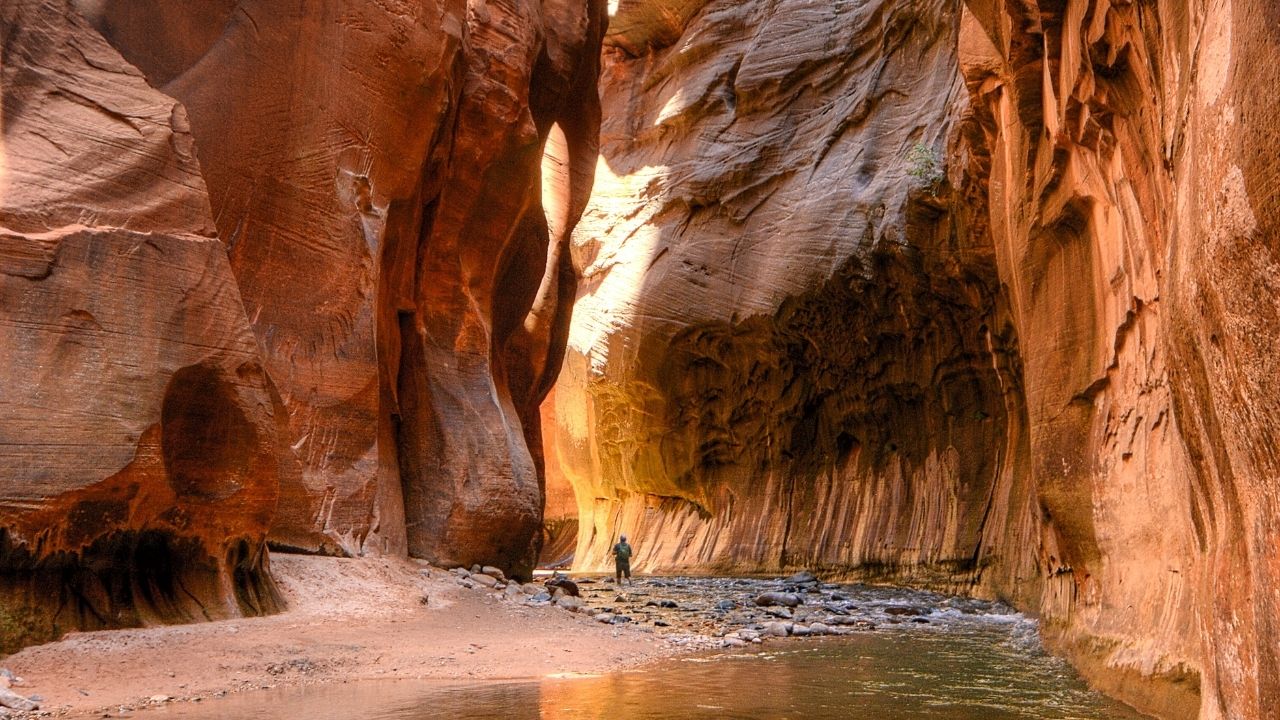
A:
[622, 560]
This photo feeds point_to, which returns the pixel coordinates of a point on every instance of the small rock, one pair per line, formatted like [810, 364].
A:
[494, 572]
[541, 597]
[661, 623]
[530, 589]
[466, 582]
[905, 610]
[563, 583]
[783, 613]
[460, 572]
[819, 629]
[726, 605]
[803, 577]
[621, 619]
[777, 629]
[476, 569]
[605, 618]
[13, 700]
[748, 635]
[486, 580]
[778, 598]
[512, 591]
[800, 630]
[733, 642]
[569, 602]
[159, 699]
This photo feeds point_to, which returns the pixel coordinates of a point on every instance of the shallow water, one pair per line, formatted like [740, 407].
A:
[971, 661]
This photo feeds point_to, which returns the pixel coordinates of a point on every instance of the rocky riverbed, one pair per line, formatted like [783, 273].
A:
[732, 612]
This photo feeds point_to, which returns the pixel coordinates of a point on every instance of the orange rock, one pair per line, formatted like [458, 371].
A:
[376, 172]
[982, 300]
[138, 435]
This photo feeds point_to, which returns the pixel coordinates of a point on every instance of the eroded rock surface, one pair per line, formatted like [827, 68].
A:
[973, 295]
[1119, 148]
[377, 173]
[138, 435]
[788, 349]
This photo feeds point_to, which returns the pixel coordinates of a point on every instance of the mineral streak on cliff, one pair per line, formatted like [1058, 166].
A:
[1040, 373]
[137, 427]
[375, 171]
[1120, 145]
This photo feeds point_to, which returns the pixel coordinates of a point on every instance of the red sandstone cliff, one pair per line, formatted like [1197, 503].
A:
[356, 366]
[376, 173]
[138, 443]
[1041, 374]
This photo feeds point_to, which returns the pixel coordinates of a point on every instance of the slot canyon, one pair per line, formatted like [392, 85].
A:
[979, 297]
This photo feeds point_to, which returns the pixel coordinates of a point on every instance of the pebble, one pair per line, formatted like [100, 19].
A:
[494, 572]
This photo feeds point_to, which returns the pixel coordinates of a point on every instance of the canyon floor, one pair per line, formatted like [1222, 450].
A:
[346, 620]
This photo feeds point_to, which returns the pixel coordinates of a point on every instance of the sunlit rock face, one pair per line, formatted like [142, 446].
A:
[138, 432]
[789, 347]
[376, 172]
[1044, 377]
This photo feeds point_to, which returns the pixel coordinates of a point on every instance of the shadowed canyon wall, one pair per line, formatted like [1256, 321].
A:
[291, 271]
[974, 295]
[137, 428]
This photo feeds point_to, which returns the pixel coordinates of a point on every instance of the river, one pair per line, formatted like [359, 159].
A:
[961, 660]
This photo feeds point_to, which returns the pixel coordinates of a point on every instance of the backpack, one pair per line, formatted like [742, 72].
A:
[623, 551]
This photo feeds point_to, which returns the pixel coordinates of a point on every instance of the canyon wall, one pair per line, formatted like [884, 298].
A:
[978, 296]
[790, 346]
[376, 173]
[285, 271]
[138, 443]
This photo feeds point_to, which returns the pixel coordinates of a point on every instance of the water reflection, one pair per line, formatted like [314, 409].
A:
[992, 671]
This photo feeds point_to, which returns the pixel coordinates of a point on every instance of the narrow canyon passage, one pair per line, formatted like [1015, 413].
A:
[975, 297]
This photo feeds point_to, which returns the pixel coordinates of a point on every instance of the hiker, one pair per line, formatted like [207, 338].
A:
[622, 560]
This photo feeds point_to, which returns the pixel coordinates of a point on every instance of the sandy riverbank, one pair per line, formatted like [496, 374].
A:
[347, 620]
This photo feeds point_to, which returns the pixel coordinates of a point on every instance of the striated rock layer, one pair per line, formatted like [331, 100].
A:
[336, 326]
[138, 431]
[376, 172]
[788, 349]
[976, 295]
